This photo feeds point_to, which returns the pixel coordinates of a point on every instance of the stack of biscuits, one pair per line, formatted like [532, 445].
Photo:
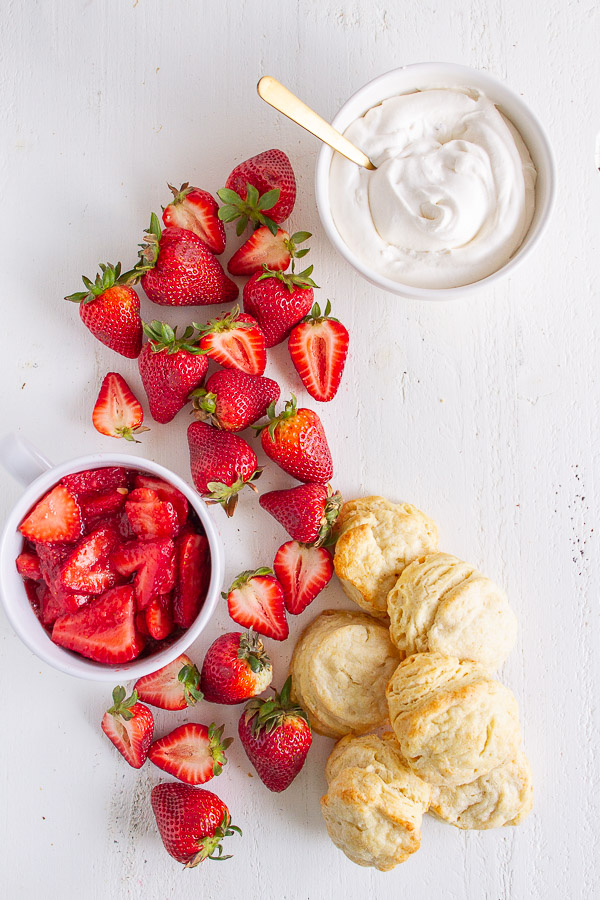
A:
[414, 664]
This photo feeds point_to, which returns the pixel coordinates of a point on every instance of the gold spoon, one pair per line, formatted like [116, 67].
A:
[278, 96]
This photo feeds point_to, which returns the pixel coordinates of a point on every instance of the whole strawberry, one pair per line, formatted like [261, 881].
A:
[268, 171]
[171, 368]
[232, 400]
[235, 668]
[296, 441]
[221, 464]
[110, 308]
[192, 822]
[276, 737]
[198, 211]
[318, 347]
[307, 512]
[178, 269]
[278, 300]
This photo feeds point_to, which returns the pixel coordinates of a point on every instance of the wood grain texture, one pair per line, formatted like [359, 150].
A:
[482, 412]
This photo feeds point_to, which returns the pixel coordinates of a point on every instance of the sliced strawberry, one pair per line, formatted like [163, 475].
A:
[117, 412]
[303, 572]
[52, 557]
[175, 686]
[104, 629]
[193, 577]
[151, 517]
[165, 491]
[255, 600]
[159, 617]
[196, 210]
[152, 563]
[95, 481]
[87, 570]
[56, 517]
[234, 341]
[318, 346]
[130, 726]
[193, 753]
[261, 248]
[96, 507]
[141, 624]
[28, 565]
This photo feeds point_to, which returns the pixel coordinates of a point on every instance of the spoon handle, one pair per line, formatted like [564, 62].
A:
[278, 96]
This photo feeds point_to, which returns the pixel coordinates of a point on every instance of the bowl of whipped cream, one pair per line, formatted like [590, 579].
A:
[462, 188]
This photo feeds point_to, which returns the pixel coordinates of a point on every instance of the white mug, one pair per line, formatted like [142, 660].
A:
[29, 466]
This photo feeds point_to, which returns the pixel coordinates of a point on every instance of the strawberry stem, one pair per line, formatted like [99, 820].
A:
[248, 210]
[108, 277]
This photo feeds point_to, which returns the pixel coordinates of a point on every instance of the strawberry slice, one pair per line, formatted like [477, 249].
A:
[94, 481]
[175, 686]
[55, 602]
[152, 562]
[262, 248]
[56, 517]
[130, 726]
[303, 572]
[165, 491]
[87, 570]
[193, 577]
[318, 346]
[159, 617]
[193, 753]
[104, 629]
[28, 565]
[98, 507]
[196, 210]
[234, 341]
[151, 517]
[255, 600]
[117, 412]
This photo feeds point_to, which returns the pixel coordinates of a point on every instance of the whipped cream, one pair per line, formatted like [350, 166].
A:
[453, 194]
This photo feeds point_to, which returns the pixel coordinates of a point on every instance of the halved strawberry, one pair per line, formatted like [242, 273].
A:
[56, 517]
[28, 565]
[159, 617]
[175, 686]
[165, 491]
[303, 572]
[234, 341]
[318, 346]
[87, 570]
[94, 481]
[104, 629]
[152, 563]
[117, 411]
[52, 557]
[55, 603]
[196, 210]
[96, 507]
[255, 600]
[130, 726]
[261, 248]
[193, 753]
[151, 517]
[193, 577]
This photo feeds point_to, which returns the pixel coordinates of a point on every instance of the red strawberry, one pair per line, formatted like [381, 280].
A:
[28, 565]
[193, 577]
[130, 726]
[152, 563]
[159, 617]
[104, 629]
[193, 753]
[165, 491]
[278, 300]
[52, 557]
[87, 569]
[196, 210]
[235, 341]
[170, 367]
[117, 412]
[255, 600]
[100, 508]
[94, 481]
[232, 400]
[302, 571]
[235, 668]
[56, 517]
[296, 441]
[149, 516]
[55, 602]
[276, 737]
[178, 269]
[267, 172]
[110, 308]
[306, 512]
[221, 464]
[175, 686]
[192, 822]
[261, 249]
[318, 346]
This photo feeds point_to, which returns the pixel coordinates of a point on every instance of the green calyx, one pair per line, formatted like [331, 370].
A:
[108, 277]
[210, 847]
[179, 195]
[225, 323]
[292, 242]
[149, 250]
[288, 412]
[268, 715]
[291, 279]
[205, 406]
[189, 676]
[129, 433]
[163, 337]
[330, 514]
[227, 494]
[252, 209]
[217, 747]
[244, 577]
[315, 316]
[252, 650]
[122, 705]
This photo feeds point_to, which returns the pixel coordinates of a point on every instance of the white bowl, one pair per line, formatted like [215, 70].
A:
[434, 75]
[28, 465]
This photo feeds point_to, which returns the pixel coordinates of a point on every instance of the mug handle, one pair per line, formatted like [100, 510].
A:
[21, 459]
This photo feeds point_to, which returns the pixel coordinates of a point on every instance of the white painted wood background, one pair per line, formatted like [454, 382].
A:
[482, 412]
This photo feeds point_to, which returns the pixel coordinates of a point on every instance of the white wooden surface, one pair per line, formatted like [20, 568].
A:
[482, 412]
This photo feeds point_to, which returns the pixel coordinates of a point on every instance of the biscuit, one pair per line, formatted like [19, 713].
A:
[502, 797]
[443, 604]
[374, 804]
[340, 667]
[377, 539]
[453, 721]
